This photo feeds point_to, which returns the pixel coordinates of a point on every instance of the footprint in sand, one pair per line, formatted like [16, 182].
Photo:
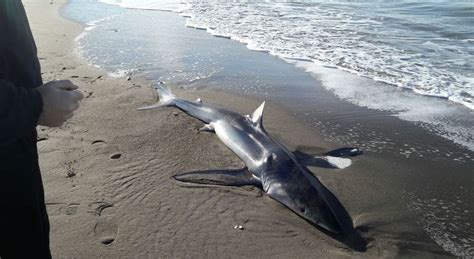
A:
[115, 156]
[58, 208]
[99, 142]
[101, 147]
[106, 228]
[88, 94]
[42, 139]
[54, 208]
[71, 209]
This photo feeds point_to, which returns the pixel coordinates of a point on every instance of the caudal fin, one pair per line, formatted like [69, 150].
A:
[165, 97]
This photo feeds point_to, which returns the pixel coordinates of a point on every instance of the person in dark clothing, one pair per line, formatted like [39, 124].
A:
[25, 102]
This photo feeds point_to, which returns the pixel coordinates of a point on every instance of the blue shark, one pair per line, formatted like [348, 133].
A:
[269, 166]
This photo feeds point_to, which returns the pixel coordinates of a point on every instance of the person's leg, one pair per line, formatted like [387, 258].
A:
[24, 226]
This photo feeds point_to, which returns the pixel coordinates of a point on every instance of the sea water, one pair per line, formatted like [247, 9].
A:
[424, 46]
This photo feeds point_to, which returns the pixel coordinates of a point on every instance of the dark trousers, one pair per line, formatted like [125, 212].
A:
[24, 225]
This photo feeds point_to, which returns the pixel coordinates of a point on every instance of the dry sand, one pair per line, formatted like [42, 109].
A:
[107, 174]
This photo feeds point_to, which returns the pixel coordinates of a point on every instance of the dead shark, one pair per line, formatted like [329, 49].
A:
[269, 166]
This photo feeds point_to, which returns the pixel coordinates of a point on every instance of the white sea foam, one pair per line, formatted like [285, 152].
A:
[443, 221]
[121, 73]
[431, 111]
[339, 38]
[163, 5]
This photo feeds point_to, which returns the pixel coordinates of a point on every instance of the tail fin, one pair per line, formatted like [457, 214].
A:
[165, 97]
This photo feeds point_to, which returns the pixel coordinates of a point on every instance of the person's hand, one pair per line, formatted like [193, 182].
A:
[60, 100]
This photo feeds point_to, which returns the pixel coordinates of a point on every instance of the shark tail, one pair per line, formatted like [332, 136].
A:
[166, 98]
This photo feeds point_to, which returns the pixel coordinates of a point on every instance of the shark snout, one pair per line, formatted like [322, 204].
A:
[323, 217]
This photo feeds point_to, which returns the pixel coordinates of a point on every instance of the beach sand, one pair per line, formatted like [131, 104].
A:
[107, 175]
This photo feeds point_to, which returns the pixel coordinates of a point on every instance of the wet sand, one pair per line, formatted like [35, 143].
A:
[107, 175]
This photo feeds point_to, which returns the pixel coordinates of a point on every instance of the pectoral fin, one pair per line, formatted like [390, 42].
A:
[322, 161]
[239, 177]
[344, 152]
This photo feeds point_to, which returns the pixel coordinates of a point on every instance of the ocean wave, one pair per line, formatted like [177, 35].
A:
[426, 64]
[408, 50]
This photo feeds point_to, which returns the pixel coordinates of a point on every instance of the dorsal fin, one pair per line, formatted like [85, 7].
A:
[257, 115]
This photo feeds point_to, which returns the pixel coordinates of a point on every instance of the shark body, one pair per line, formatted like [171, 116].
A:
[269, 166]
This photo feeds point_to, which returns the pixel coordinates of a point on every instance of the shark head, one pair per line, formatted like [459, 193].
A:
[286, 184]
[310, 200]
[314, 208]
[298, 189]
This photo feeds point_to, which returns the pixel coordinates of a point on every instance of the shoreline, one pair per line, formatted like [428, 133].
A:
[376, 97]
[101, 206]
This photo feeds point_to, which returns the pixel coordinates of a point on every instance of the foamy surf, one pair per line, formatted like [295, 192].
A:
[161, 5]
[322, 33]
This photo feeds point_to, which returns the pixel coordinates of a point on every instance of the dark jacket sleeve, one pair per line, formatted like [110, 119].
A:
[20, 109]
[20, 103]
